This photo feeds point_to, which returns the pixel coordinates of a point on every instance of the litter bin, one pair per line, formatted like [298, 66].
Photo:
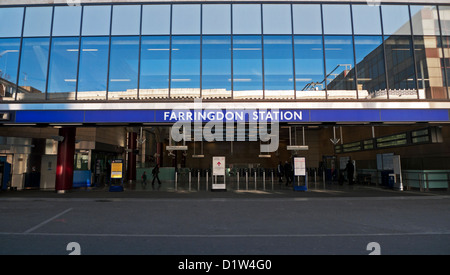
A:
[391, 182]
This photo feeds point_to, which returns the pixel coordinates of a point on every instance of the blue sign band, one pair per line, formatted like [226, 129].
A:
[172, 116]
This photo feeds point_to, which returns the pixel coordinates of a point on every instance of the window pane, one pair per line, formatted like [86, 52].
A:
[307, 19]
[396, 20]
[93, 68]
[445, 62]
[66, 21]
[186, 19]
[431, 80]
[309, 71]
[247, 67]
[337, 19]
[38, 21]
[278, 67]
[185, 66]
[216, 66]
[400, 66]
[156, 19]
[277, 19]
[366, 19]
[444, 14]
[62, 81]
[247, 19]
[155, 58]
[425, 20]
[126, 20]
[11, 22]
[340, 72]
[123, 69]
[370, 67]
[33, 68]
[96, 20]
[216, 19]
[9, 61]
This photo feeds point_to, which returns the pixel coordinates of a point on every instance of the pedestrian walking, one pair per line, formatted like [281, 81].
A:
[155, 173]
[280, 171]
[144, 179]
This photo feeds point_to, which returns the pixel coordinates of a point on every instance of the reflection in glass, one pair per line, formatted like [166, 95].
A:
[9, 60]
[216, 67]
[62, 80]
[366, 19]
[445, 62]
[247, 67]
[155, 59]
[93, 68]
[429, 68]
[33, 69]
[246, 19]
[425, 20]
[11, 22]
[185, 70]
[96, 20]
[396, 20]
[216, 19]
[307, 19]
[309, 72]
[126, 20]
[66, 21]
[444, 15]
[277, 19]
[155, 19]
[337, 19]
[38, 21]
[340, 67]
[186, 19]
[278, 67]
[370, 67]
[400, 67]
[123, 69]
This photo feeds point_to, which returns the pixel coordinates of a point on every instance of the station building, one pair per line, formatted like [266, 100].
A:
[86, 83]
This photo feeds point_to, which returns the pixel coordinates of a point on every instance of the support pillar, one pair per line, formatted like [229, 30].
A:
[132, 142]
[65, 160]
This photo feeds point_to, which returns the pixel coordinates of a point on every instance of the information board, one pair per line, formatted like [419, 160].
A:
[116, 169]
[299, 166]
[218, 165]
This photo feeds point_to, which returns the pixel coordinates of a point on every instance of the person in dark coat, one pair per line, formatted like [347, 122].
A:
[350, 168]
[280, 172]
[155, 173]
[288, 172]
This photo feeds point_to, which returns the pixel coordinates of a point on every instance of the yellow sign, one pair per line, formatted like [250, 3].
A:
[116, 169]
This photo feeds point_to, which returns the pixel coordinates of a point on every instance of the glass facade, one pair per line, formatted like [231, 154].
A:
[270, 51]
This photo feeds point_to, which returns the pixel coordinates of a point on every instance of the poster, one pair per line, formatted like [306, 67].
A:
[116, 169]
[218, 166]
[299, 167]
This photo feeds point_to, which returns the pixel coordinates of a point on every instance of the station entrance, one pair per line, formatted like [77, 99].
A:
[423, 150]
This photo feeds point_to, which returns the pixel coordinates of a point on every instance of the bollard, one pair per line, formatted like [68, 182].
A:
[198, 180]
[190, 179]
[237, 180]
[272, 180]
[255, 179]
[264, 180]
[207, 177]
[246, 180]
[176, 178]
